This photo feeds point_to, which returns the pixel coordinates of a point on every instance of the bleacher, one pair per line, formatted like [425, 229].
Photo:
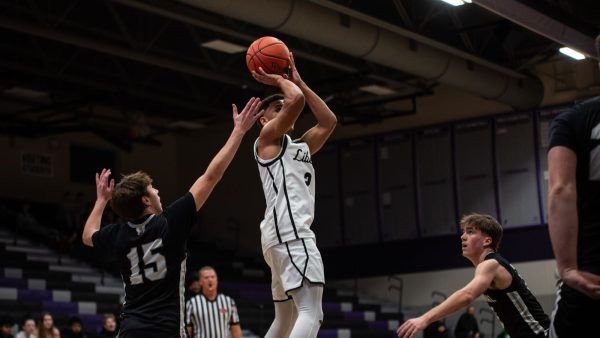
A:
[36, 278]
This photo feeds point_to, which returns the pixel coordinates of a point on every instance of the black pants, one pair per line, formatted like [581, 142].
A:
[576, 315]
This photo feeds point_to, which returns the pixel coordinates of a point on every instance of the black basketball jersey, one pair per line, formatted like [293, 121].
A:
[516, 307]
[579, 130]
[151, 256]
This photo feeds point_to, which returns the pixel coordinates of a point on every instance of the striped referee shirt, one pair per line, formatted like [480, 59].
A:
[211, 318]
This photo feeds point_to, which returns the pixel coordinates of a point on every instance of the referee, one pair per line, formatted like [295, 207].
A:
[211, 314]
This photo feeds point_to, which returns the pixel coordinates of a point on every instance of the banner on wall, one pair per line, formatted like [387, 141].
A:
[36, 164]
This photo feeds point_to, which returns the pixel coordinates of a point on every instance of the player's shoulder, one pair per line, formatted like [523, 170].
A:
[581, 109]
[489, 264]
[590, 104]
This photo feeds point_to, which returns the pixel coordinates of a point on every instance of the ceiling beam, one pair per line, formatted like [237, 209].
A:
[237, 34]
[542, 24]
[115, 50]
[111, 88]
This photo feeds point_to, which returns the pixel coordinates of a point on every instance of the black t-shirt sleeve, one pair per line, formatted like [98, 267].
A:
[104, 241]
[562, 131]
[181, 215]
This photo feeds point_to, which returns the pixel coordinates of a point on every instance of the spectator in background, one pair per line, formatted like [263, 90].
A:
[7, 326]
[193, 289]
[467, 327]
[29, 225]
[437, 329]
[109, 326]
[74, 329]
[28, 329]
[46, 328]
[65, 220]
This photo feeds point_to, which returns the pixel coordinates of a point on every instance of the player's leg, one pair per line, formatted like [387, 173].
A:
[285, 311]
[308, 301]
[285, 317]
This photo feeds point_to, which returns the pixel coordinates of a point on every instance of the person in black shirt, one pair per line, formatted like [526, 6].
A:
[6, 326]
[505, 291]
[467, 327]
[436, 329]
[151, 247]
[109, 326]
[574, 216]
[74, 329]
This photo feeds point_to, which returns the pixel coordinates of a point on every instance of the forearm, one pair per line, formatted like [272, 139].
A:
[221, 161]
[93, 222]
[325, 117]
[563, 226]
[455, 302]
[204, 185]
[293, 101]
[236, 331]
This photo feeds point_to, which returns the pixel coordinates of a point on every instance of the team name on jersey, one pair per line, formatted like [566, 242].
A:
[302, 156]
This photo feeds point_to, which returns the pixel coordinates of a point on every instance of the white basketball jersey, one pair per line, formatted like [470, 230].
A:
[289, 185]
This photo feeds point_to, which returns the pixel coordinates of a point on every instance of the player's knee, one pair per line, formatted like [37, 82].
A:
[313, 317]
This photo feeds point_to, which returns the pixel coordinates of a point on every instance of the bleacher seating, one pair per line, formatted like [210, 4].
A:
[35, 278]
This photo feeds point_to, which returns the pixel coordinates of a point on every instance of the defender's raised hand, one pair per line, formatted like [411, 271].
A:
[104, 189]
[246, 119]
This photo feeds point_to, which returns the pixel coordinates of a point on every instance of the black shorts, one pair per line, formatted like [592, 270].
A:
[575, 315]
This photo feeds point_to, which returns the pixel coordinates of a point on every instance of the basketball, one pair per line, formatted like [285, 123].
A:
[269, 53]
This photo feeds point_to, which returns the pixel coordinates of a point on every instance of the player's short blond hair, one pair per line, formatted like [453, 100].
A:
[486, 224]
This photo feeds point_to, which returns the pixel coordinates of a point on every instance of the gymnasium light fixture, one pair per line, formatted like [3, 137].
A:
[377, 90]
[457, 2]
[572, 53]
[224, 46]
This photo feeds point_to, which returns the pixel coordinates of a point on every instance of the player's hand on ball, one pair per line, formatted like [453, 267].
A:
[266, 78]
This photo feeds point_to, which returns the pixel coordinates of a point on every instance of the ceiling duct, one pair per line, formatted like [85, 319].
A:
[362, 39]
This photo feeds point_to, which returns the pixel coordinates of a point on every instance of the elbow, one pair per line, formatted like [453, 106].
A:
[559, 189]
[466, 298]
[332, 122]
[296, 99]
[87, 239]
[564, 192]
[212, 178]
[469, 299]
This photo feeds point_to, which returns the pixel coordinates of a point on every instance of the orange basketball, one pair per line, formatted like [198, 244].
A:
[269, 53]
